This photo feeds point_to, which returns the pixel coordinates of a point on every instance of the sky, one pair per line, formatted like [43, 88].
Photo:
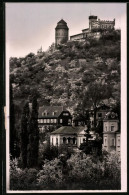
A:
[32, 25]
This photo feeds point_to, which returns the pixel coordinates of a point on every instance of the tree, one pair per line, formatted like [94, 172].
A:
[86, 146]
[13, 137]
[24, 134]
[95, 93]
[33, 146]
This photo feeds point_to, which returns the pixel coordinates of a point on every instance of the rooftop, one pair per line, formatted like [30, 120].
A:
[69, 130]
[62, 24]
[49, 110]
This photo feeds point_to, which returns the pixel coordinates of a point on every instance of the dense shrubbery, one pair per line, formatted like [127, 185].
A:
[22, 179]
[79, 172]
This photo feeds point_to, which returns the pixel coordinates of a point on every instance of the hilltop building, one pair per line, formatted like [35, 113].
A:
[61, 32]
[95, 27]
[111, 133]
[53, 115]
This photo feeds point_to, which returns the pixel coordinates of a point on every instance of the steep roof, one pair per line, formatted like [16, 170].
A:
[62, 25]
[50, 110]
[69, 130]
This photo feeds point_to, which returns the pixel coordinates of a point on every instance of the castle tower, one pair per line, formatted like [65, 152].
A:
[61, 32]
[92, 21]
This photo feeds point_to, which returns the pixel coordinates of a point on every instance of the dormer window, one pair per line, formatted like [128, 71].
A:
[65, 114]
[99, 115]
[105, 128]
[53, 113]
[44, 114]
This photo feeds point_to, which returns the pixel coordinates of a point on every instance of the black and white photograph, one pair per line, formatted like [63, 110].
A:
[66, 80]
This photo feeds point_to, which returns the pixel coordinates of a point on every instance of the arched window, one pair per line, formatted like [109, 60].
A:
[69, 140]
[64, 140]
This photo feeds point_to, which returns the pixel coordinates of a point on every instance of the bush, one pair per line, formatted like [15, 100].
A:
[102, 173]
[22, 179]
[79, 172]
[50, 177]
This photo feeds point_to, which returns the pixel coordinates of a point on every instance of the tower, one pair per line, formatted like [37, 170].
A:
[92, 21]
[61, 32]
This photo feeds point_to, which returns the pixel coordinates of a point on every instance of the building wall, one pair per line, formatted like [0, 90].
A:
[55, 140]
[105, 24]
[61, 36]
[110, 126]
[109, 141]
[80, 140]
[76, 37]
[91, 22]
[118, 143]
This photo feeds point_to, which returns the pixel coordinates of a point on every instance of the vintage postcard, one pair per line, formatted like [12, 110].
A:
[66, 81]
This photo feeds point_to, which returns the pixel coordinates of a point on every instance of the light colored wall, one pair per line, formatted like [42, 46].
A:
[118, 143]
[107, 143]
[54, 140]
[80, 140]
[108, 124]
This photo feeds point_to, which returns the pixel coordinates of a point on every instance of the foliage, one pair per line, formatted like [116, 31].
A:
[101, 174]
[14, 138]
[22, 179]
[64, 149]
[50, 177]
[49, 152]
[33, 131]
[79, 172]
[75, 64]
[24, 134]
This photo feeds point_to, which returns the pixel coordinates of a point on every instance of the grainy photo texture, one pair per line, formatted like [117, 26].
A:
[64, 86]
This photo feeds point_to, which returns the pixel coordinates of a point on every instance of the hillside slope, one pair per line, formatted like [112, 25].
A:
[62, 76]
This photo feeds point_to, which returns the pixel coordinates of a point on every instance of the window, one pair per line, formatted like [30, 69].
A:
[65, 114]
[61, 120]
[44, 114]
[99, 114]
[64, 140]
[118, 142]
[45, 121]
[105, 142]
[51, 120]
[52, 140]
[54, 120]
[56, 140]
[53, 113]
[105, 128]
[112, 142]
[112, 128]
[69, 121]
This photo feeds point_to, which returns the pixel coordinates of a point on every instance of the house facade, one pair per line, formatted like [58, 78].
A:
[69, 135]
[53, 115]
[111, 133]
